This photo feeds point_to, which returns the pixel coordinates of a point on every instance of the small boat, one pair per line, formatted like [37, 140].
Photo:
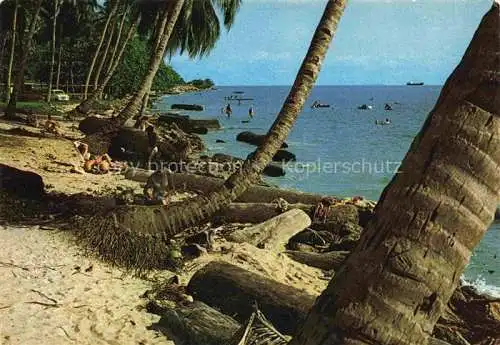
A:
[365, 107]
[317, 104]
[415, 83]
[239, 92]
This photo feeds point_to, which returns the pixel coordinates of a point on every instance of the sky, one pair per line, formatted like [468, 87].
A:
[378, 42]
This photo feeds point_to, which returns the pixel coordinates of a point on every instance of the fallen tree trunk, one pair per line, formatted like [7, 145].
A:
[273, 234]
[207, 185]
[233, 290]
[324, 261]
[197, 324]
[256, 212]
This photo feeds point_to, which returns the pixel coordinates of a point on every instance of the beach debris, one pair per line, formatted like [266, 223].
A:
[274, 233]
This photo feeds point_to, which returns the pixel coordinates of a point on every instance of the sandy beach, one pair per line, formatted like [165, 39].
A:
[52, 293]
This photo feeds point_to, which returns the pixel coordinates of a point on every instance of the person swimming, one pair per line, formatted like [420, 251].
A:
[250, 112]
[229, 111]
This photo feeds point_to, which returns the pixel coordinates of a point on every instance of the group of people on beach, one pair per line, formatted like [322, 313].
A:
[229, 111]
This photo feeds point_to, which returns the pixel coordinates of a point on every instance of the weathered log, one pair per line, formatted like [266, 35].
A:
[207, 185]
[274, 233]
[197, 324]
[255, 212]
[195, 107]
[254, 139]
[233, 290]
[21, 183]
[324, 261]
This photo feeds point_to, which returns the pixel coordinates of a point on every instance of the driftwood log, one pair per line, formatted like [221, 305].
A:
[274, 233]
[197, 324]
[324, 261]
[234, 290]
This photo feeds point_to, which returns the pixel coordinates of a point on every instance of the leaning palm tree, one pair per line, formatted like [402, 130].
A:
[12, 51]
[194, 28]
[146, 249]
[396, 283]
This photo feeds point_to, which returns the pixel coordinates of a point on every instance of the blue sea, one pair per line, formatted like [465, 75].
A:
[340, 150]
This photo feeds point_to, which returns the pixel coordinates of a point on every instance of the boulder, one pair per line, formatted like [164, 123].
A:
[254, 139]
[284, 156]
[195, 107]
[92, 124]
[21, 183]
[274, 170]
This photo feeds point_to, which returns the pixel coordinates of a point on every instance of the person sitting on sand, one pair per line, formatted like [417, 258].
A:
[52, 127]
[93, 163]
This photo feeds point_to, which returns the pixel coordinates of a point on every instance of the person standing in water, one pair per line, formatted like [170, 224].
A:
[250, 112]
[229, 111]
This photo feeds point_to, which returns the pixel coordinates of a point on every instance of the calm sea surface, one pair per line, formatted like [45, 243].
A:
[340, 151]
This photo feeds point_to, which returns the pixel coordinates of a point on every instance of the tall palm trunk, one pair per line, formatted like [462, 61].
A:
[118, 39]
[86, 105]
[112, 30]
[396, 283]
[57, 5]
[25, 50]
[169, 18]
[98, 49]
[155, 44]
[176, 218]
[59, 57]
[12, 53]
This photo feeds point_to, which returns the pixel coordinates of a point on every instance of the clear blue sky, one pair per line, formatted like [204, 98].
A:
[378, 42]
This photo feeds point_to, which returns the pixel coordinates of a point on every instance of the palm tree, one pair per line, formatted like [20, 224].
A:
[394, 286]
[176, 218]
[57, 8]
[23, 60]
[12, 52]
[110, 15]
[85, 106]
[195, 28]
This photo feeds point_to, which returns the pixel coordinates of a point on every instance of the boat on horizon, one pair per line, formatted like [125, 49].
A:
[415, 83]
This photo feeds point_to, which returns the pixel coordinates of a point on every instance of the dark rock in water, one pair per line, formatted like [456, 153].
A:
[497, 214]
[254, 139]
[220, 141]
[21, 183]
[199, 130]
[195, 107]
[274, 170]
[187, 124]
[283, 155]
[92, 124]
[245, 121]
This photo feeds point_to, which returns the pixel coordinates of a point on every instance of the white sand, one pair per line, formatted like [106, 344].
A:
[101, 306]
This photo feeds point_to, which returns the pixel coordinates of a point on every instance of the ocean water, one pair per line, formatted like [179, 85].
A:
[340, 151]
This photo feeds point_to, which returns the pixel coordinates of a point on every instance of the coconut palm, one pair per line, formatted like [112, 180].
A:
[12, 51]
[111, 14]
[395, 284]
[24, 55]
[54, 15]
[176, 217]
[194, 29]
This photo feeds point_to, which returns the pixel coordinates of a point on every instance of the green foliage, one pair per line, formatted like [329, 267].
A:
[202, 83]
[134, 66]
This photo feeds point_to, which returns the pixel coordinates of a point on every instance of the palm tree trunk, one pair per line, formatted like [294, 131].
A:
[57, 5]
[59, 56]
[396, 283]
[106, 49]
[98, 49]
[12, 53]
[86, 105]
[169, 18]
[118, 39]
[176, 218]
[25, 50]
